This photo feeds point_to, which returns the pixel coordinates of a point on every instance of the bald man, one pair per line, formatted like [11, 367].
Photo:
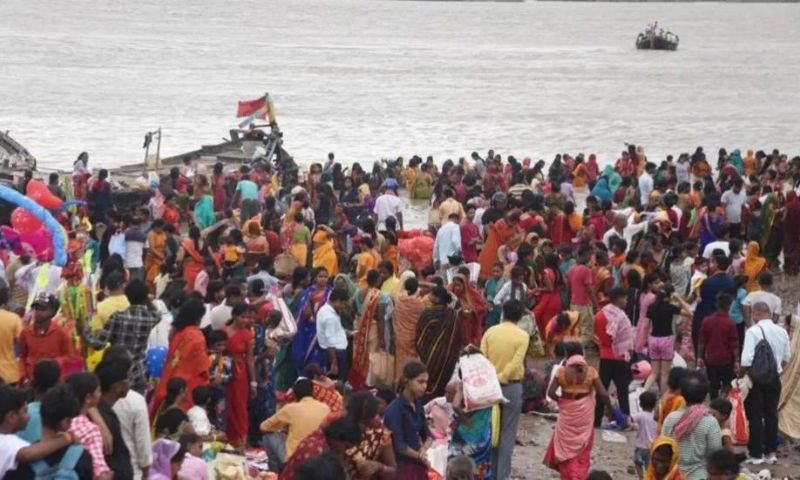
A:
[761, 404]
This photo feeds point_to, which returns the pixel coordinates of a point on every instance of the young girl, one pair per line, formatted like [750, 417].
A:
[671, 400]
[410, 433]
[493, 286]
[737, 311]
[661, 344]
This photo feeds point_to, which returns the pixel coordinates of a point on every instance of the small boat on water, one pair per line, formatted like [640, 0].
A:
[656, 38]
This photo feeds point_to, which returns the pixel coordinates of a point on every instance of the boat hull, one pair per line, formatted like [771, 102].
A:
[644, 42]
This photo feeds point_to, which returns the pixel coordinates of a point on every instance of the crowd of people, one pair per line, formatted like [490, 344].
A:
[299, 314]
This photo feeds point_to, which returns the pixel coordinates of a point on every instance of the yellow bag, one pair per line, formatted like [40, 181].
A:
[381, 368]
[495, 425]
[93, 357]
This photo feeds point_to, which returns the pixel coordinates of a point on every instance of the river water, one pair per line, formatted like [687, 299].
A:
[367, 79]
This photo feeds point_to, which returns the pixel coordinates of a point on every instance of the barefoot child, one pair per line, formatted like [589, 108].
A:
[645, 431]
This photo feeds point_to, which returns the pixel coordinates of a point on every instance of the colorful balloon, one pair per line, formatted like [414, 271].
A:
[42, 195]
[24, 221]
[43, 216]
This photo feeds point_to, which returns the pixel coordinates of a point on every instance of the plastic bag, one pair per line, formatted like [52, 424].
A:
[738, 421]
[479, 382]
[288, 326]
[381, 368]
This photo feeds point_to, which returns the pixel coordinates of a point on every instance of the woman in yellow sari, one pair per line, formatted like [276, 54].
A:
[324, 250]
[155, 254]
[579, 174]
[753, 265]
[409, 174]
[750, 164]
[296, 238]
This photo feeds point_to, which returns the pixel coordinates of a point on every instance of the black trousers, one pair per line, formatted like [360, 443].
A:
[620, 372]
[718, 378]
[761, 407]
[735, 230]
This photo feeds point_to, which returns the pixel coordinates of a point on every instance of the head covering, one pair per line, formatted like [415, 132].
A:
[674, 468]
[163, 451]
[391, 183]
[406, 275]
[576, 360]
[753, 265]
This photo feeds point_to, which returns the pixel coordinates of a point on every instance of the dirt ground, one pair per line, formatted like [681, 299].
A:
[617, 458]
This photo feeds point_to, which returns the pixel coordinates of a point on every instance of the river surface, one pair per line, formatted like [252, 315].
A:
[367, 79]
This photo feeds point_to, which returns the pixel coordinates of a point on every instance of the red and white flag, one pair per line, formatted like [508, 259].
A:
[257, 108]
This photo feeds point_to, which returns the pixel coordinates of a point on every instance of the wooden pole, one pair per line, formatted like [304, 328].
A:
[158, 149]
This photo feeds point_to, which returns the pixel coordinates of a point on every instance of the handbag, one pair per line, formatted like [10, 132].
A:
[285, 265]
[381, 368]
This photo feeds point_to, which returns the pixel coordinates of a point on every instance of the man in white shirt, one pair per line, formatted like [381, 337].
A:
[761, 404]
[263, 274]
[623, 229]
[218, 316]
[721, 243]
[646, 184]
[389, 205]
[331, 336]
[764, 295]
[733, 200]
[447, 244]
[135, 239]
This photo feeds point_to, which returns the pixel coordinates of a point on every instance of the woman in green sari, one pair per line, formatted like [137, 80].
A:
[770, 239]
[422, 186]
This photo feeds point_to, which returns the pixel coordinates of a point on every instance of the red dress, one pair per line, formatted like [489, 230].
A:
[218, 192]
[549, 303]
[237, 392]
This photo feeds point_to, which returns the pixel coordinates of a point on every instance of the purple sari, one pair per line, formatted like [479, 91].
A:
[305, 348]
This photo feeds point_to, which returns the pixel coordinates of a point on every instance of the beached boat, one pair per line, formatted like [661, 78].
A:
[655, 38]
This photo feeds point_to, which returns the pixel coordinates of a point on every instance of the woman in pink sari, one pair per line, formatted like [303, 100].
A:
[570, 448]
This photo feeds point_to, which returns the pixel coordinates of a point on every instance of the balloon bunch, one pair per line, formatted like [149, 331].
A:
[33, 224]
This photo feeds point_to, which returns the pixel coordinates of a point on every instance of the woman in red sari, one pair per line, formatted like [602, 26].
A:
[191, 255]
[791, 234]
[218, 188]
[548, 304]
[471, 312]
[241, 387]
[186, 357]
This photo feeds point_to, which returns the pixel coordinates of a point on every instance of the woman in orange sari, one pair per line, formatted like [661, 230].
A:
[191, 254]
[155, 254]
[561, 328]
[471, 311]
[408, 306]
[500, 233]
[369, 330]
[753, 265]
[186, 357]
[579, 174]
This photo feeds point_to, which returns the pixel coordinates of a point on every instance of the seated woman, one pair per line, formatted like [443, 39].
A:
[570, 448]
[170, 420]
[561, 328]
[373, 456]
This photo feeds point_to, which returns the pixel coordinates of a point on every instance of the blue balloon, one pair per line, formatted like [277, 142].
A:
[156, 358]
[71, 203]
[59, 243]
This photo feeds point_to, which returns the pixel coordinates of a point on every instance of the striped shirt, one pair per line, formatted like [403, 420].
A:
[695, 447]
